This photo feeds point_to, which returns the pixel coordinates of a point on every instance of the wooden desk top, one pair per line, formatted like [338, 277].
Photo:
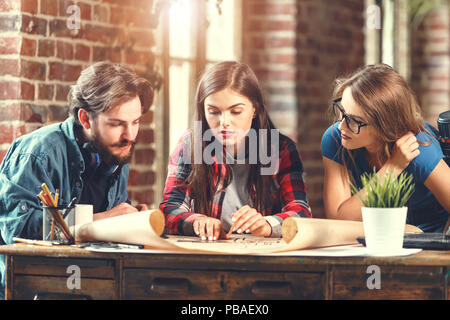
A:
[423, 258]
[36, 270]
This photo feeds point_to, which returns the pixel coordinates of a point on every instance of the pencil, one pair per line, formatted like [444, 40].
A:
[43, 200]
[56, 196]
[61, 223]
[49, 194]
[57, 221]
[45, 203]
[53, 221]
[230, 231]
[47, 200]
[35, 242]
[52, 235]
[57, 214]
[49, 203]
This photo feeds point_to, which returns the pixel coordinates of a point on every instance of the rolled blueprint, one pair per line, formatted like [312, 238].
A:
[143, 227]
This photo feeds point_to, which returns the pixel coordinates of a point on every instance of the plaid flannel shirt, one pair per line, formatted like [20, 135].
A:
[287, 200]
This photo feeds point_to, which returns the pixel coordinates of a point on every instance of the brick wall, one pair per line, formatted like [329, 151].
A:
[430, 78]
[297, 48]
[271, 24]
[40, 57]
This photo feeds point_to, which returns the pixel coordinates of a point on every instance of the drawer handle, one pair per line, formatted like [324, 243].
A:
[60, 296]
[271, 288]
[170, 285]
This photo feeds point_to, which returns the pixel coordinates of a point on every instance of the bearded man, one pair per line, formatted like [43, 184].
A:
[85, 157]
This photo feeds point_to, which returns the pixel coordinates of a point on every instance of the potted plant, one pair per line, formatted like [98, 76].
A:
[384, 211]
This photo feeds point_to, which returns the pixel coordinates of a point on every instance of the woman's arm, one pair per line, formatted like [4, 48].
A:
[292, 188]
[338, 200]
[176, 203]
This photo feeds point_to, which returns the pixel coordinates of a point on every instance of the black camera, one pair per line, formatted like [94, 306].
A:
[443, 123]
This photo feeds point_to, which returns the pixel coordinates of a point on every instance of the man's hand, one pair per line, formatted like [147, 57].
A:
[120, 209]
[141, 207]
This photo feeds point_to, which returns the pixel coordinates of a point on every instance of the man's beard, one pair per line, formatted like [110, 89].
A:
[105, 154]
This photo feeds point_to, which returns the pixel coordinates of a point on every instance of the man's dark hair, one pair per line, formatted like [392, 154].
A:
[104, 85]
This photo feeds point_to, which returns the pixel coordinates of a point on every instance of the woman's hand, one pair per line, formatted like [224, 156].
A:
[405, 150]
[248, 220]
[208, 228]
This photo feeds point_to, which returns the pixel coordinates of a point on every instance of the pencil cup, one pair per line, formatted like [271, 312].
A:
[51, 229]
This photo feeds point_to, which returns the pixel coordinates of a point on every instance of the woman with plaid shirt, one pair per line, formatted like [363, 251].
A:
[234, 170]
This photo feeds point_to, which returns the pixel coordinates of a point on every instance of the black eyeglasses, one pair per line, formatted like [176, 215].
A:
[353, 124]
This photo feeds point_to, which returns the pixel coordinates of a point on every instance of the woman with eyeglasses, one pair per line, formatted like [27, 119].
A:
[379, 125]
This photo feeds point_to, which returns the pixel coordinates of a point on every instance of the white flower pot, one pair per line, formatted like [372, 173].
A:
[384, 229]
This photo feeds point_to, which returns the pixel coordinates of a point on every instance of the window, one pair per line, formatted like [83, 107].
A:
[388, 31]
[380, 31]
[191, 35]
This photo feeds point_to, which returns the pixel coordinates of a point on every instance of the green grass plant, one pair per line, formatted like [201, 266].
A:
[387, 191]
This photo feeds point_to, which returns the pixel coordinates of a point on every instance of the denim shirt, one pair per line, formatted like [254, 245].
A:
[51, 155]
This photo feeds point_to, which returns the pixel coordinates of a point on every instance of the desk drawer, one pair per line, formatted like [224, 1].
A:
[92, 268]
[356, 282]
[43, 278]
[180, 284]
[47, 287]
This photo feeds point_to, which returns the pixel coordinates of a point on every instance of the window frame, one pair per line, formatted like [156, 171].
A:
[198, 61]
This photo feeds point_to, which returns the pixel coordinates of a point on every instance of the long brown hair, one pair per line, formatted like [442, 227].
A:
[205, 180]
[387, 103]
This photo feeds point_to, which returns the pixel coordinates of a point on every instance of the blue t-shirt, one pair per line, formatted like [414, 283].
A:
[424, 211]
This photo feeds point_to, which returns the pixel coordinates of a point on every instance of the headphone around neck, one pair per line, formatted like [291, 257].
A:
[93, 160]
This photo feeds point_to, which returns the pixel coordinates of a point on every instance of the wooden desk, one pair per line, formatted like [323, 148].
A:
[41, 272]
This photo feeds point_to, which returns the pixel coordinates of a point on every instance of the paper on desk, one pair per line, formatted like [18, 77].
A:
[297, 233]
[145, 228]
[336, 251]
[355, 250]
